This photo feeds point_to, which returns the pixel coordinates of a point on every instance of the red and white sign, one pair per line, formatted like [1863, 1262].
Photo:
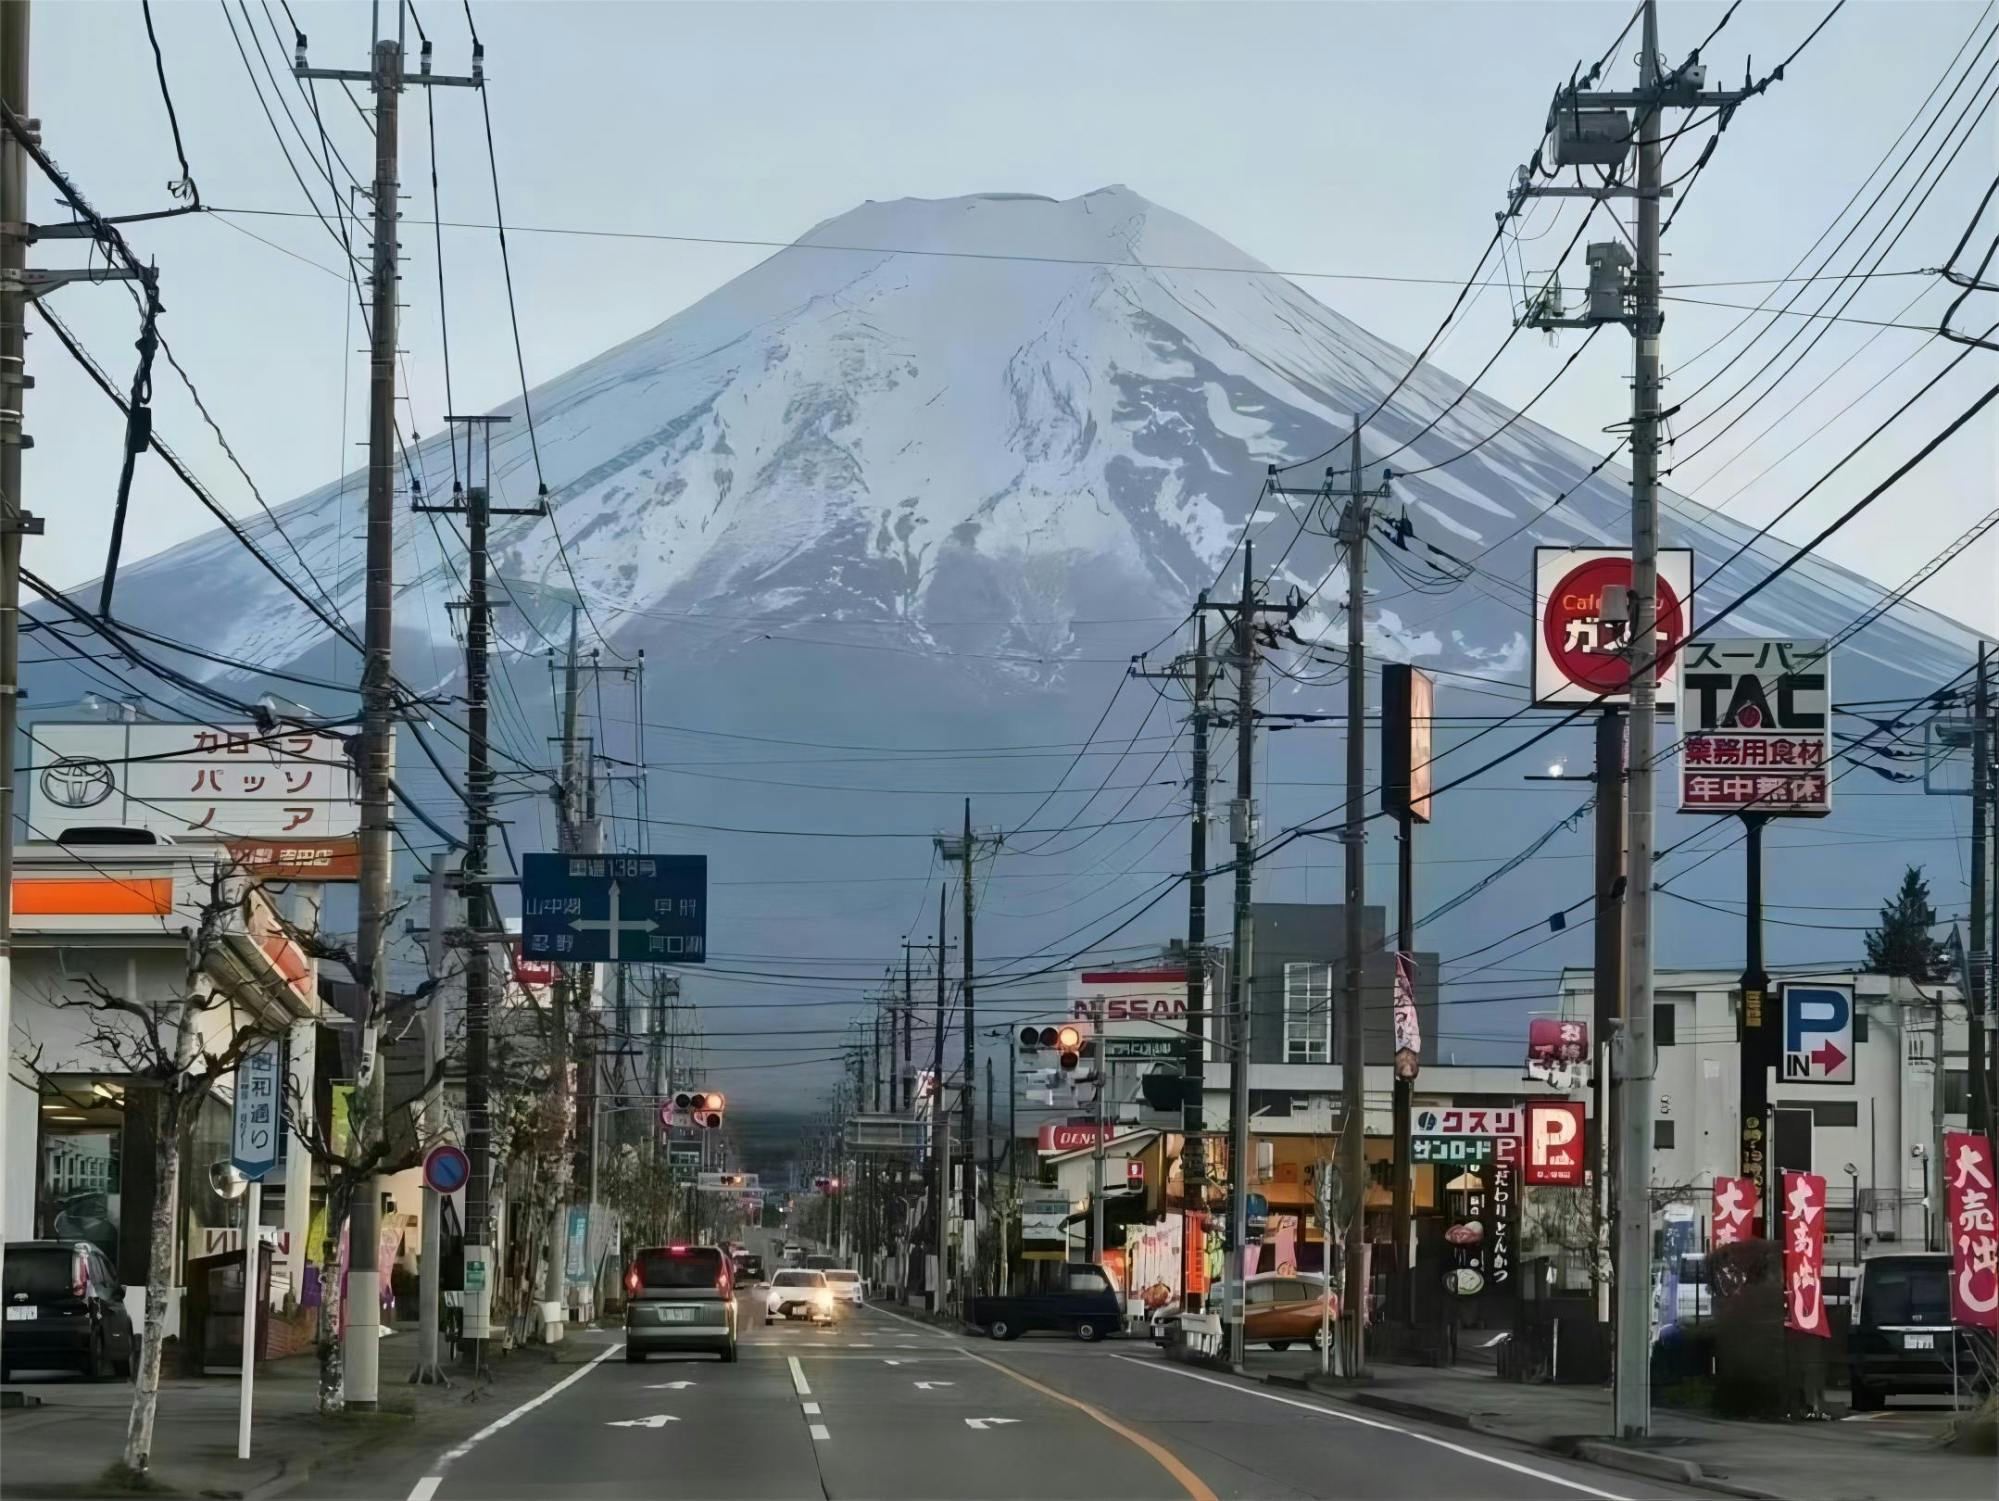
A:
[534, 971]
[1578, 654]
[1804, 1254]
[1501, 1121]
[1136, 1002]
[1974, 1243]
[1555, 1142]
[1408, 1030]
[1057, 1137]
[1734, 1211]
[1756, 722]
[1551, 1040]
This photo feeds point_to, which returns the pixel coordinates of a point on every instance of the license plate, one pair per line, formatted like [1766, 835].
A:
[23, 1314]
[1919, 1342]
[677, 1315]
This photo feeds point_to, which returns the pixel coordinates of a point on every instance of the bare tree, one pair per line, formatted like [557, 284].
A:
[174, 1044]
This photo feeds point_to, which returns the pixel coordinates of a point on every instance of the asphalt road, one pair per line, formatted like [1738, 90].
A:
[878, 1406]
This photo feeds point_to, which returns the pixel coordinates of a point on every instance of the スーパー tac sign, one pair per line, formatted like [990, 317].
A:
[1581, 643]
[1974, 1240]
[1804, 1254]
[1756, 722]
[1555, 1143]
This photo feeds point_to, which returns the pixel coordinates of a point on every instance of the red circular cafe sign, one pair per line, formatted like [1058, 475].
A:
[1583, 649]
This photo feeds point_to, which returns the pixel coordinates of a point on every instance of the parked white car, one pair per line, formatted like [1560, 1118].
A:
[796, 1293]
[845, 1283]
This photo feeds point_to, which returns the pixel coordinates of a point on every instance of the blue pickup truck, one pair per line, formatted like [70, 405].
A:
[1065, 1297]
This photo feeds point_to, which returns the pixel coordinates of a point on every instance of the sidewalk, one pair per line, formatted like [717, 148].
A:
[1890, 1456]
[63, 1447]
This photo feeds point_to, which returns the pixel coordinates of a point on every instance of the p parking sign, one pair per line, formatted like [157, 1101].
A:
[1818, 1033]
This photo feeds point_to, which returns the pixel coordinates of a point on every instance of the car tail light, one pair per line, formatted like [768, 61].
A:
[632, 1279]
[676, 1250]
[79, 1277]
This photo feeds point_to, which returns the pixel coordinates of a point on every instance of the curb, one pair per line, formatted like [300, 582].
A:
[1639, 1462]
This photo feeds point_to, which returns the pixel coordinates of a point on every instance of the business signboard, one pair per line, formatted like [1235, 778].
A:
[1756, 727]
[1974, 1238]
[1555, 1142]
[257, 1118]
[1044, 1221]
[1452, 1149]
[1734, 1210]
[1054, 1136]
[1503, 1120]
[194, 782]
[1136, 1002]
[1804, 1254]
[1408, 706]
[1580, 654]
[1818, 1033]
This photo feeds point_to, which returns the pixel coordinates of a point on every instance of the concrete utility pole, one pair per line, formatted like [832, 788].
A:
[1979, 1116]
[1242, 959]
[14, 518]
[473, 499]
[572, 839]
[1097, 1146]
[965, 849]
[1354, 522]
[385, 77]
[940, 1131]
[1592, 127]
[1607, 992]
[1193, 1054]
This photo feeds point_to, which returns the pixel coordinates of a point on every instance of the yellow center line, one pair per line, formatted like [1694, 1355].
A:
[1195, 1487]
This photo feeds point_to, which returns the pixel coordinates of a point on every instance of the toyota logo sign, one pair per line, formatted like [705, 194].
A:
[77, 782]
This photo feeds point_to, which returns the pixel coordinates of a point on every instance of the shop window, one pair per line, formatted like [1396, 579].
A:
[1308, 1013]
[80, 1165]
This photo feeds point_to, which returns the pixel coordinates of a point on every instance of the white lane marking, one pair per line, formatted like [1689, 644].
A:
[886, 1361]
[919, 1325]
[931, 1386]
[425, 1488]
[798, 1377]
[657, 1420]
[984, 1423]
[1348, 1417]
[811, 1409]
[820, 1433]
[669, 1386]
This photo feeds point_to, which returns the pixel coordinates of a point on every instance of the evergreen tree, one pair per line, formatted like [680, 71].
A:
[1904, 943]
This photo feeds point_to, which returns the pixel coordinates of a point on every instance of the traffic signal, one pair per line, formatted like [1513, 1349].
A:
[704, 1109]
[734, 1180]
[1070, 1041]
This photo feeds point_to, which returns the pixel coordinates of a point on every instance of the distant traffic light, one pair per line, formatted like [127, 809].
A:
[703, 1108]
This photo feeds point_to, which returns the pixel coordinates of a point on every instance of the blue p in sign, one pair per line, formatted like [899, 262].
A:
[1818, 1034]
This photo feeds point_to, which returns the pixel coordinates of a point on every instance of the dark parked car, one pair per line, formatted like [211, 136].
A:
[1070, 1297]
[65, 1309]
[1902, 1341]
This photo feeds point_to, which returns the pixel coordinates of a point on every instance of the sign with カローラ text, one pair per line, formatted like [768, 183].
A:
[1581, 629]
[616, 909]
[194, 782]
[1554, 1143]
[257, 1116]
[1756, 727]
[1804, 1254]
[1969, 1207]
[1818, 1033]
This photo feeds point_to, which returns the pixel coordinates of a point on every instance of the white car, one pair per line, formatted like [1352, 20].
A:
[796, 1293]
[846, 1286]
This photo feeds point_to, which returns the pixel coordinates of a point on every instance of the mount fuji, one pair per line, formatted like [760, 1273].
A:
[889, 514]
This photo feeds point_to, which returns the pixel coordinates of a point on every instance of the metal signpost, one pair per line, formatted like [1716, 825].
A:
[255, 1123]
[615, 909]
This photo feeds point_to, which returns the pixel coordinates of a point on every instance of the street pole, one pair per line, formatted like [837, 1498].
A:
[1097, 1148]
[1241, 962]
[1403, 1211]
[1632, 1399]
[1012, 1158]
[940, 1129]
[1753, 1082]
[13, 516]
[1194, 1154]
[1353, 1072]
[253, 1214]
[969, 1199]
[1607, 992]
[1979, 1113]
[570, 837]
[363, 1339]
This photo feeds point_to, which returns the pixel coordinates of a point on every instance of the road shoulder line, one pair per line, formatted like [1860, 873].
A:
[425, 1488]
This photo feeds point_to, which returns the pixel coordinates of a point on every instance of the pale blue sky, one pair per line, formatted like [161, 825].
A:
[1373, 138]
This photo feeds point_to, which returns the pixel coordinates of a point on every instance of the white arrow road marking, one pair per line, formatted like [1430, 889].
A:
[984, 1423]
[657, 1420]
[670, 1386]
[930, 1386]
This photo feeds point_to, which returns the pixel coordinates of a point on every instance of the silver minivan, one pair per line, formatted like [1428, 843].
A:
[680, 1297]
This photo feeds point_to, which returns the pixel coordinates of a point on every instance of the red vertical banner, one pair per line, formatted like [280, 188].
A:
[1804, 1254]
[1974, 1242]
[1734, 1210]
[1195, 1249]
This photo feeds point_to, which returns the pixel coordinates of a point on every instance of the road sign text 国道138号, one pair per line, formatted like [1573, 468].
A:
[619, 909]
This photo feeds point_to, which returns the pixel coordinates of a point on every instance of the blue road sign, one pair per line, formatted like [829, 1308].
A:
[446, 1168]
[1818, 1033]
[619, 909]
[259, 1113]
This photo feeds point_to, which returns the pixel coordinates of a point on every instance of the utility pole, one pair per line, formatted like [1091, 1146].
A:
[965, 849]
[1607, 991]
[1979, 1115]
[1242, 833]
[1355, 520]
[1097, 1145]
[1193, 1053]
[908, 1032]
[1595, 128]
[14, 517]
[570, 836]
[386, 78]
[473, 499]
[940, 1130]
